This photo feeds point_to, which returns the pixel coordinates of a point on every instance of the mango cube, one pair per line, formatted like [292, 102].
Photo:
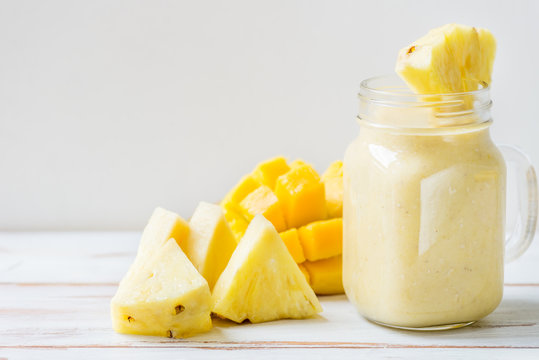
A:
[305, 272]
[302, 196]
[210, 243]
[291, 240]
[263, 201]
[246, 185]
[321, 239]
[268, 171]
[237, 223]
[325, 275]
[332, 180]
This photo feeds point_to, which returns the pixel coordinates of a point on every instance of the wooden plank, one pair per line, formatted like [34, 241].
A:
[104, 257]
[271, 354]
[55, 290]
[78, 316]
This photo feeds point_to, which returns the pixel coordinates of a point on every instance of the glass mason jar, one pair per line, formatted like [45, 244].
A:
[424, 208]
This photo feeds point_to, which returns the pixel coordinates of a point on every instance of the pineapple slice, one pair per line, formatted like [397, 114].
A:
[261, 281]
[332, 180]
[444, 60]
[163, 225]
[210, 243]
[163, 295]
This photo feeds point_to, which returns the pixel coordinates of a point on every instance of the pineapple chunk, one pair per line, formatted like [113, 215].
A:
[321, 239]
[290, 238]
[163, 225]
[444, 60]
[163, 295]
[263, 201]
[332, 180]
[268, 171]
[210, 243]
[326, 275]
[302, 196]
[261, 281]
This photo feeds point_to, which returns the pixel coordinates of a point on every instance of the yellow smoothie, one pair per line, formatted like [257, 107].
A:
[423, 221]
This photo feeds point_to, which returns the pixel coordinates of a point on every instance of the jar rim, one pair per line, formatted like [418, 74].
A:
[391, 96]
[400, 89]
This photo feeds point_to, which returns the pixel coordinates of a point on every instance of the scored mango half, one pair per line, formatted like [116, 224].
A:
[303, 207]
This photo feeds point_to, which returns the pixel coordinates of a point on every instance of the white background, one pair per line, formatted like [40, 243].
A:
[110, 108]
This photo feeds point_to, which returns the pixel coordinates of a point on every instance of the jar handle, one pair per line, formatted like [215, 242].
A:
[520, 228]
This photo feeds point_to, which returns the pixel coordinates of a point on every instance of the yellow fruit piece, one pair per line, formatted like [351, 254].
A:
[297, 163]
[326, 275]
[305, 272]
[332, 180]
[290, 238]
[163, 225]
[444, 60]
[210, 243]
[263, 201]
[302, 196]
[321, 239]
[245, 186]
[237, 223]
[268, 171]
[163, 295]
[261, 281]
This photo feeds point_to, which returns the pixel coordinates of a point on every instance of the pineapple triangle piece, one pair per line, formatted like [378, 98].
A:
[163, 295]
[163, 225]
[261, 281]
[446, 59]
[210, 243]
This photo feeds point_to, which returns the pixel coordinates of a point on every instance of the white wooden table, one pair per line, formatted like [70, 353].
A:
[54, 303]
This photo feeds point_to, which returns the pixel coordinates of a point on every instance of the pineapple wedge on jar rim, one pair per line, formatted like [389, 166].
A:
[447, 58]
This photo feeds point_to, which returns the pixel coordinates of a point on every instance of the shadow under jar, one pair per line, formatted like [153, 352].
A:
[424, 208]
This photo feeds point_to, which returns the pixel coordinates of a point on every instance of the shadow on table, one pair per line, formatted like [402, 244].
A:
[518, 317]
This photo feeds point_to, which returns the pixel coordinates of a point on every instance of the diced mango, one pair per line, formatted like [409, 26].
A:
[268, 171]
[237, 223]
[245, 186]
[321, 239]
[302, 196]
[291, 240]
[263, 201]
[325, 275]
[332, 180]
[297, 163]
[305, 272]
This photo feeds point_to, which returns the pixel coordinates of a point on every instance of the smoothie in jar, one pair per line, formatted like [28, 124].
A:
[423, 225]
[424, 188]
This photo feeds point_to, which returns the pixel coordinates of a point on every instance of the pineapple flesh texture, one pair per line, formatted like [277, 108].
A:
[163, 295]
[163, 225]
[210, 243]
[446, 59]
[261, 281]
